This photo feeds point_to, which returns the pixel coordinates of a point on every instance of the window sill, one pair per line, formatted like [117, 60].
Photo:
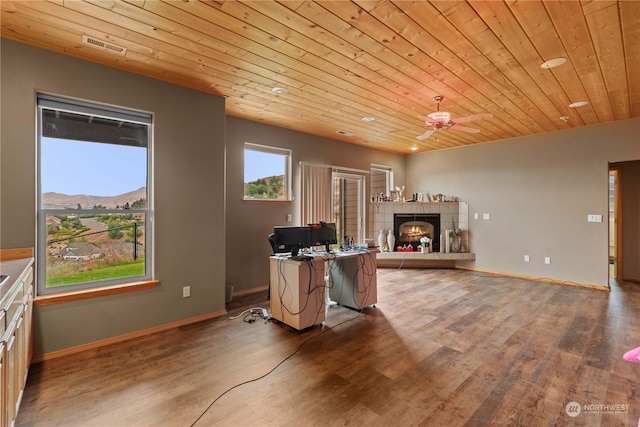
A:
[268, 200]
[125, 288]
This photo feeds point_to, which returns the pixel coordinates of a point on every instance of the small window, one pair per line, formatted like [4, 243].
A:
[381, 181]
[94, 209]
[266, 173]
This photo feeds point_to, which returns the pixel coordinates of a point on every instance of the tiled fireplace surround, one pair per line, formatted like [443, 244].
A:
[382, 214]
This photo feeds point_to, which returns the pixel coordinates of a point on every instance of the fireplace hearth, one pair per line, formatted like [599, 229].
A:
[410, 228]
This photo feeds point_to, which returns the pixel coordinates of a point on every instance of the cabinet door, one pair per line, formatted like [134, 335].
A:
[25, 335]
[3, 322]
[10, 371]
[3, 388]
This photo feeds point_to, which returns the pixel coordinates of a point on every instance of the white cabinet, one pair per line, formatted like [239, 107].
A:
[16, 304]
[297, 291]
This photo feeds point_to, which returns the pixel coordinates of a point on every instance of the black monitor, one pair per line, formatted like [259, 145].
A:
[323, 233]
[290, 239]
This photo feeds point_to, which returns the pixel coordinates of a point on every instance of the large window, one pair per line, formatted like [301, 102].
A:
[94, 209]
[266, 173]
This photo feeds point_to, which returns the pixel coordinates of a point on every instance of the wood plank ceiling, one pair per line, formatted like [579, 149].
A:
[342, 61]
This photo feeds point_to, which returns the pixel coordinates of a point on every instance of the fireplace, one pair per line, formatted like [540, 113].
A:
[409, 228]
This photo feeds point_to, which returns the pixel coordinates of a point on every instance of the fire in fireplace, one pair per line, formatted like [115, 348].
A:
[410, 228]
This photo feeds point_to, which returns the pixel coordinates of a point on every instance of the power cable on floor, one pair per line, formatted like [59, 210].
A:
[274, 368]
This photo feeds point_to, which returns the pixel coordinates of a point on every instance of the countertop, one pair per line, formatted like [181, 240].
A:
[13, 269]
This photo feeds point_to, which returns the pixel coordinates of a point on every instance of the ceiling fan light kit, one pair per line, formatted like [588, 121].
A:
[440, 116]
[442, 120]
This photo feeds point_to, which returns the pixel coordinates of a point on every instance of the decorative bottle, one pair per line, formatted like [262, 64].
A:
[381, 240]
[391, 240]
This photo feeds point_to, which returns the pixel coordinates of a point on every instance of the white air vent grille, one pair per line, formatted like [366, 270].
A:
[100, 44]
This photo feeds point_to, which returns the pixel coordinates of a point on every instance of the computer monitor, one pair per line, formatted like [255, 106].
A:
[290, 239]
[323, 233]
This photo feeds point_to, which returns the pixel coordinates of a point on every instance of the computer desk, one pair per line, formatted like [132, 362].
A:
[298, 289]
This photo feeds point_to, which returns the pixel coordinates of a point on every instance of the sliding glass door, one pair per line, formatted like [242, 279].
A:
[348, 206]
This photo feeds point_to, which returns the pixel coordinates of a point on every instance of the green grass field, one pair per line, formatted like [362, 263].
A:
[112, 272]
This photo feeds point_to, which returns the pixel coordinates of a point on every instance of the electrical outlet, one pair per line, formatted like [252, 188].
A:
[476, 215]
[186, 291]
[289, 218]
[547, 260]
[526, 258]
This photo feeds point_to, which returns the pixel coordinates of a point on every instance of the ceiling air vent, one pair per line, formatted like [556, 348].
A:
[344, 132]
[113, 48]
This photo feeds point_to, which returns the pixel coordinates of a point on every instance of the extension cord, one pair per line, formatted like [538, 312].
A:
[265, 314]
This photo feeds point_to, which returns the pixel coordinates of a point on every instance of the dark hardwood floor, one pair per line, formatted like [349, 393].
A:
[441, 348]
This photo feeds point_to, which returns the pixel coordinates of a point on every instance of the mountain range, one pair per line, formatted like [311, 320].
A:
[52, 200]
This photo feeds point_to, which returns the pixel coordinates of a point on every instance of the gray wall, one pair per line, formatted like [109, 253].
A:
[189, 192]
[538, 191]
[249, 222]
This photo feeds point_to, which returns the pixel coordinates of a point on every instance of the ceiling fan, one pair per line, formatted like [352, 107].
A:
[442, 120]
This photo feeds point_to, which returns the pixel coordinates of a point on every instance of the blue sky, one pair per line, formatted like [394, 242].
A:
[260, 165]
[96, 169]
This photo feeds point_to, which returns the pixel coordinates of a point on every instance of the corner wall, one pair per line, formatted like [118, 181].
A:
[189, 234]
[538, 191]
[250, 222]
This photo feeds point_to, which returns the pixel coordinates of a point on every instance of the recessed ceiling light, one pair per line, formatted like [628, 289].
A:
[578, 104]
[414, 148]
[552, 63]
[564, 118]
[368, 119]
[279, 90]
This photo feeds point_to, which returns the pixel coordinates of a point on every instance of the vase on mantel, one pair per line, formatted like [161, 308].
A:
[381, 240]
[391, 240]
[455, 243]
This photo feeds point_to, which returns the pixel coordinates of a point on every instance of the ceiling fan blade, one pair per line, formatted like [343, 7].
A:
[464, 129]
[426, 135]
[473, 117]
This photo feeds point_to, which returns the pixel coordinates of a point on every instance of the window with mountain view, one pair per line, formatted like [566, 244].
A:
[94, 209]
[266, 173]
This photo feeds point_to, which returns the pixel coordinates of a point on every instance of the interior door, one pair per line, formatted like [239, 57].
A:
[614, 221]
[348, 206]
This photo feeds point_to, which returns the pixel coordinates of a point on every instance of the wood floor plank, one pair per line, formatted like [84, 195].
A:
[441, 347]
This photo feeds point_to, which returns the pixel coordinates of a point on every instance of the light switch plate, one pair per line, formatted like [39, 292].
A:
[486, 216]
[594, 218]
[547, 260]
